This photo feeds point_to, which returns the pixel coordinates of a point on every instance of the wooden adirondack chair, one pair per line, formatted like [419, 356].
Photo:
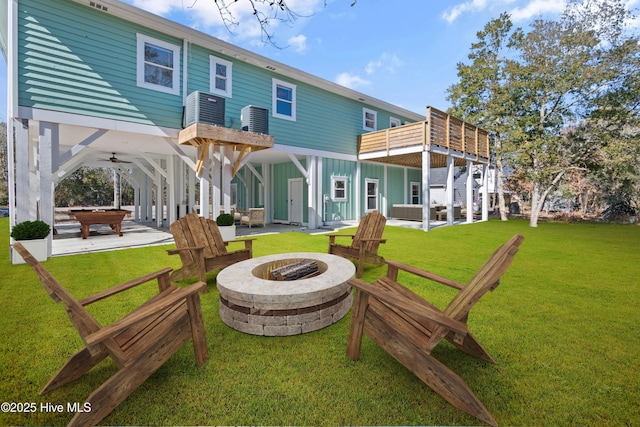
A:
[409, 328]
[201, 248]
[364, 243]
[139, 343]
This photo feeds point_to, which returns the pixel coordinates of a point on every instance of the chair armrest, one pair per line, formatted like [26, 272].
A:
[340, 235]
[158, 306]
[126, 285]
[395, 265]
[186, 248]
[374, 240]
[420, 311]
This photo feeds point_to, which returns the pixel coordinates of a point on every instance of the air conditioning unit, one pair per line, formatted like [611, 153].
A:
[204, 108]
[255, 119]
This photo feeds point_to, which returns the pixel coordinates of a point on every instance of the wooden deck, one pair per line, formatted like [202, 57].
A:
[442, 134]
[202, 135]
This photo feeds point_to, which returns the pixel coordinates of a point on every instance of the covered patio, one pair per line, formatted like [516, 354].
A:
[441, 141]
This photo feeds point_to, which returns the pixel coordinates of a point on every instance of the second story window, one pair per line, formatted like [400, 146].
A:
[158, 65]
[220, 80]
[284, 100]
[369, 119]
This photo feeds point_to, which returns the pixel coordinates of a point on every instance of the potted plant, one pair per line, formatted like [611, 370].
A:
[34, 237]
[227, 226]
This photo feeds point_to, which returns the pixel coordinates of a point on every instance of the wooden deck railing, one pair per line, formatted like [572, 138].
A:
[440, 129]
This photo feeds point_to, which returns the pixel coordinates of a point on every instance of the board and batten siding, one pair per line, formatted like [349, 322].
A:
[75, 59]
[339, 210]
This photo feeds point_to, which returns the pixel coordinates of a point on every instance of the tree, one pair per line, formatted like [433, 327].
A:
[557, 75]
[482, 95]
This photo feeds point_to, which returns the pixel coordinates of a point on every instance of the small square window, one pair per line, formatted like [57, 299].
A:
[369, 119]
[339, 189]
[158, 65]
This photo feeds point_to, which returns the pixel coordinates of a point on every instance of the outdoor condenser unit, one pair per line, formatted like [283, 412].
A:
[255, 119]
[204, 108]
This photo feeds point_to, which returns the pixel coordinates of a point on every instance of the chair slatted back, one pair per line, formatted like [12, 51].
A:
[193, 230]
[371, 227]
[82, 320]
[486, 278]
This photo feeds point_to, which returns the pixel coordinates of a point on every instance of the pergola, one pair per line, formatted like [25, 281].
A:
[440, 141]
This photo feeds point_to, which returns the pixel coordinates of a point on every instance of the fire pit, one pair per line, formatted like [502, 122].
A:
[252, 302]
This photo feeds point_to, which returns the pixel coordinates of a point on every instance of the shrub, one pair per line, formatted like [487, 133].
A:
[225, 219]
[30, 230]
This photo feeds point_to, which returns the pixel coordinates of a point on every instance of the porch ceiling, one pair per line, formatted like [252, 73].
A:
[414, 160]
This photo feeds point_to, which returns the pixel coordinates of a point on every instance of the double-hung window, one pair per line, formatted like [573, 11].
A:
[339, 188]
[284, 100]
[158, 65]
[369, 119]
[220, 78]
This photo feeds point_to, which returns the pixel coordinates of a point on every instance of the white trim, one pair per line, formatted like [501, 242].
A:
[274, 99]
[95, 122]
[394, 122]
[227, 92]
[312, 152]
[366, 111]
[334, 180]
[140, 60]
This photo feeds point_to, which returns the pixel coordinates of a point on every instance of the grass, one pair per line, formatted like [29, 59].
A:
[563, 328]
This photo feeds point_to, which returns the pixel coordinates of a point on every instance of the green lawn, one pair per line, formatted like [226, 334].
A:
[563, 328]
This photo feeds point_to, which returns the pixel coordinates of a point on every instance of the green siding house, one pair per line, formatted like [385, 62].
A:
[104, 83]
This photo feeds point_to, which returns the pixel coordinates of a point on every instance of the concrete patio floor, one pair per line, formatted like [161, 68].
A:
[67, 240]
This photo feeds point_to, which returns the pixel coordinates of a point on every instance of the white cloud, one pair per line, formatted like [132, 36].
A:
[387, 61]
[298, 43]
[472, 6]
[351, 80]
[205, 16]
[536, 8]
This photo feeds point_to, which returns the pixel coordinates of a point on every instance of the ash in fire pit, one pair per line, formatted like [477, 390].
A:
[295, 270]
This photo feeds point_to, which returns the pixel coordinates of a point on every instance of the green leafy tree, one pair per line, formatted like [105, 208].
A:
[482, 96]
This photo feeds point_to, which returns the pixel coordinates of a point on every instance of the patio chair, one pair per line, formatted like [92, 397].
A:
[252, 217]
[409, 328]
[201, 248]
[139, 343]
[364, 243]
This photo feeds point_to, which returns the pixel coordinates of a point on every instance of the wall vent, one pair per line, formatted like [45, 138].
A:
[204, 108]
[255, 119]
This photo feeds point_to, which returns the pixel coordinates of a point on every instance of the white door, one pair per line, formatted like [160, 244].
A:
[295, 201]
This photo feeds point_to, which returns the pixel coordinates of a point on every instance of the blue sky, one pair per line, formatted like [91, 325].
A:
[402, 51]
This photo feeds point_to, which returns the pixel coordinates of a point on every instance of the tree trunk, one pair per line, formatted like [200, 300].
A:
[500, 188]
[536, 205]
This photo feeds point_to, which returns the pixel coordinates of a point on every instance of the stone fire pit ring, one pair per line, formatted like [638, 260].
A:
[254, 305]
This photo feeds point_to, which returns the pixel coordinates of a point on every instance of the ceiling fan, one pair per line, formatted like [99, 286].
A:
[114, 159]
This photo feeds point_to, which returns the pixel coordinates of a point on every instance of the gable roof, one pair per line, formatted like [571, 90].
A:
[133, 14]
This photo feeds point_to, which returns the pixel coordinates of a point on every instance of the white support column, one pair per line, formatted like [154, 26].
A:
[385, 193]
[450, 190]
[358, 190]
[319, 193]
[312, 212]
[485, 192]
[469, 185]
[227, 169]
[267, 192]
[426, 190]
[192, 190]
[172, 201]
[22, 171]
[216, 172]
[405, 185]
[159, 199]
[48, 141]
